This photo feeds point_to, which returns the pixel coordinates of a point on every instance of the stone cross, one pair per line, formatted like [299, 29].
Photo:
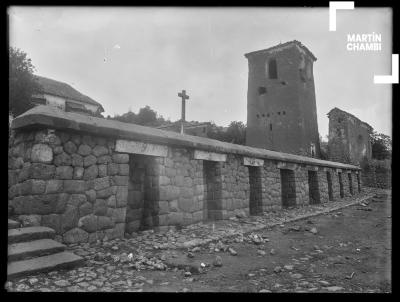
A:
[184, 97]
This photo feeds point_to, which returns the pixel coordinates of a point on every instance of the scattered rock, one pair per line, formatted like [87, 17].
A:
[264, 291]
[218, 261]
[296, 276]
[334, 288]
[288, 267]
[261, 252]
[314, 231]
[62, 283]
[277, 269]
[272, 252]
[232, 251]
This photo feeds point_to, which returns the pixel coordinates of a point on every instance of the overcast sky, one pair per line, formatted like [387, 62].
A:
[126, 58]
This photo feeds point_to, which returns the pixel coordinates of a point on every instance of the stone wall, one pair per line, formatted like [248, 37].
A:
[73, 183]
[271, 186]
[92, 185]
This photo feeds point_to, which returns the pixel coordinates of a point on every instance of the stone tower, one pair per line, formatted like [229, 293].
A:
[281, 106]
[349, 138]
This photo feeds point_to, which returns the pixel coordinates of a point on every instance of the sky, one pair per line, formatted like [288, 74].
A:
[129, 57]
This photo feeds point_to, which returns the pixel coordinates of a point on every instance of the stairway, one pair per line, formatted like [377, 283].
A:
[33, 250]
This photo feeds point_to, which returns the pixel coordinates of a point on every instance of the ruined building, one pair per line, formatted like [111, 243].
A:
[349, 138]
[281, 105]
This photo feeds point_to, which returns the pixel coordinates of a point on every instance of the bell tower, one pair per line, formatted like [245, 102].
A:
[281, 105]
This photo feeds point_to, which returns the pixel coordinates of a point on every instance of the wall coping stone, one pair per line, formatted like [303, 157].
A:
[51, 117]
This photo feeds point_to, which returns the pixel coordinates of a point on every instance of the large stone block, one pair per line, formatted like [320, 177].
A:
[111, 201]
[54, 186]
[105, 222]
[120, 158]
[135, 147]
[74, 186]
[39, 204]
[118, 215]
[69, 219]
[100, 207]
[85, 209]
[64, 172]
[76, 160]
[118, 180]
[101, 183]
[88, 223]
[62, 159]
[122, 196]
[91, 195]
[89, 160]
[41, 153]
[41, 171]
[163, 207]
[30, 220]
[102, 170]
[77, 199]
[78, 173]
[112, 169]
[32, 187]
[70, 147]
[104, 159]
[75, 235]
[107, 192]
[175, 218]
[84, 150]
[186, 204]
[99, 151]
[90, 172]
[123, 169]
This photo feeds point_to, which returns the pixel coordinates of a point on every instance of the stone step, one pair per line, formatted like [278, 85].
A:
[12, 224]
[62, 260]
[29, 234]
[35, 248]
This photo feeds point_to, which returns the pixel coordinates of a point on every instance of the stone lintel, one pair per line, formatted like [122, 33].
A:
[252, 161]
[135, 147]
[212, 156]
[312, 168]
[287, 166]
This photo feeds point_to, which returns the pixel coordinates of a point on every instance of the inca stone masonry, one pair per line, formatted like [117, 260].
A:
[91, 178]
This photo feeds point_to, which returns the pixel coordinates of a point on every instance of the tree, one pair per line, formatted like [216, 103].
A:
[236, 133]
[146, 117]
[381, 146]
[21, 81]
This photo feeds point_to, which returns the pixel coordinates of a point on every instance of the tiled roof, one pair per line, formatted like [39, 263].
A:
[61, 89]
[283, 45]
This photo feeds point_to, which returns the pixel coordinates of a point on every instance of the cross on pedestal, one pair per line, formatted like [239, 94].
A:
[184, 97]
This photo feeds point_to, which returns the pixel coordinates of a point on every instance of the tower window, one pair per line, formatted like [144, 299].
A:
[267, 114]
[283, 112]
[258, 116]
[272, 69]
[279, 113]
[263, 115]
[270, 127]
[262, 90]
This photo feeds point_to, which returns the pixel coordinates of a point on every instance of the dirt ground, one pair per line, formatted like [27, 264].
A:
[345, 250]
[351, 252]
